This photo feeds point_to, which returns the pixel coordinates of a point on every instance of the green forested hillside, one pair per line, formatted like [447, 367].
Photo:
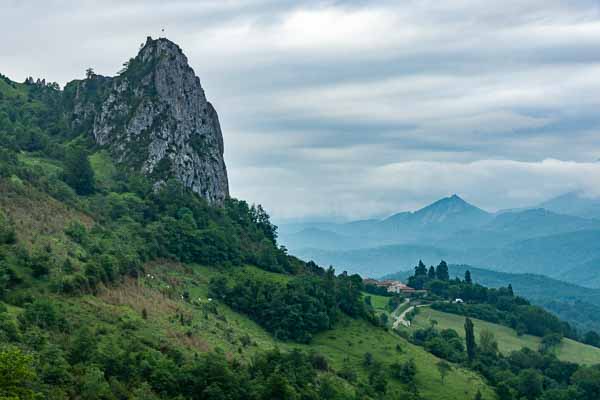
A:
[508, 339]
[111, 288]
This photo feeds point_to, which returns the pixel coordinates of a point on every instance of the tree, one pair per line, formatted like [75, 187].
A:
[470, 339]
[549, 342]
[560, 394]
[487, 342]
[444, 369]
[478, 395]
[93, 385]
[510, 290]
[406, 372]
[420, 277]
[89, 73]
[529, 384]
[442, 271]
[588, 380]
[383, 319]
[468, 277]
[263, 222]
[421, 269]
[378, 378]
[431, 273]
[592, 338]
[16, 375]
[78, 172]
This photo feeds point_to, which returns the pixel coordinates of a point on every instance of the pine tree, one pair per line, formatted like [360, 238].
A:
[510, 290]
[431, 273]
[468, 277]
[442, 271]
[420, 269]
[470, 339]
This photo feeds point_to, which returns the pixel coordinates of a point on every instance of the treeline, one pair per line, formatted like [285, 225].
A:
[297, 310]
[499, 306]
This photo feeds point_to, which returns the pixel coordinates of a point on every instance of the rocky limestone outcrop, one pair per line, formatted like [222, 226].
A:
[154, 117]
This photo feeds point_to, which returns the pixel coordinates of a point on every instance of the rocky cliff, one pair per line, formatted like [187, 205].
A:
[154, 117]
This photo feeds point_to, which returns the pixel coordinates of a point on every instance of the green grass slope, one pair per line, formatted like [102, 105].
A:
[507, 338]
[152, 308]
[210, 325]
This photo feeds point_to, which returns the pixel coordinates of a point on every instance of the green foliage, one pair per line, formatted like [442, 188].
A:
[470, 339]
[296, 310]
[494, 305]
[44, 314]
[17, 375]
[7, 230]
[78, 172]
[405, 372]
[550, 341]
[444, 368]
[445, 344]
[441, 271]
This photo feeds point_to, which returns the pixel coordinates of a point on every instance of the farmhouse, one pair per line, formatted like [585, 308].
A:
[393, 286]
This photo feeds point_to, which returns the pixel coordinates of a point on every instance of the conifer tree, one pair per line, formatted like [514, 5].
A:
[431, 273]
[468, 277]
[420, 269]
[442, 271]
[470, 339]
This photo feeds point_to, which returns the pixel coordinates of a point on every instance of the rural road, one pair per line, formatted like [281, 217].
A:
[400, 319]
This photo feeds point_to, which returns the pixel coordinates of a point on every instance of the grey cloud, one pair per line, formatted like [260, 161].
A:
[356, 108]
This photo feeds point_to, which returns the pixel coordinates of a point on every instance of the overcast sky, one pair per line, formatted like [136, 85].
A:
[360, 108]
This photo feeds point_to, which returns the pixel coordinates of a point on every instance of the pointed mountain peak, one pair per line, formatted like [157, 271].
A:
[154, 118]
[450, 205]
[157, 48]
[455, 199]
[451, 201]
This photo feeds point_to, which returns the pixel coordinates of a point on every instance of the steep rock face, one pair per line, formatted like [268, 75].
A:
[154, 117]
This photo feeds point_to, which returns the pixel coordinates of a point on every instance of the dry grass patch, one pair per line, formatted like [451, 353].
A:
[188, 341]
[139, 297]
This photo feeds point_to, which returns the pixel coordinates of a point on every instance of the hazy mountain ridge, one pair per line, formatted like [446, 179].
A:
[532, 240]
[574, 203]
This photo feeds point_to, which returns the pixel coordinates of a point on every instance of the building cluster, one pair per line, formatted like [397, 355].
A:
[393, 286]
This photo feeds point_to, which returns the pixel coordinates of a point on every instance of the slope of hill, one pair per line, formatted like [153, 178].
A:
[507, 338]
[168, 307]
[575, 304]
[574, 203]
[123, 277]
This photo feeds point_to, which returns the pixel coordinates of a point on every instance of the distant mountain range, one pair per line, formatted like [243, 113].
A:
[540, 240]
[574, 203]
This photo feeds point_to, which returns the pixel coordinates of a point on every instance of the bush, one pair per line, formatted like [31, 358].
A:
[44, 314]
